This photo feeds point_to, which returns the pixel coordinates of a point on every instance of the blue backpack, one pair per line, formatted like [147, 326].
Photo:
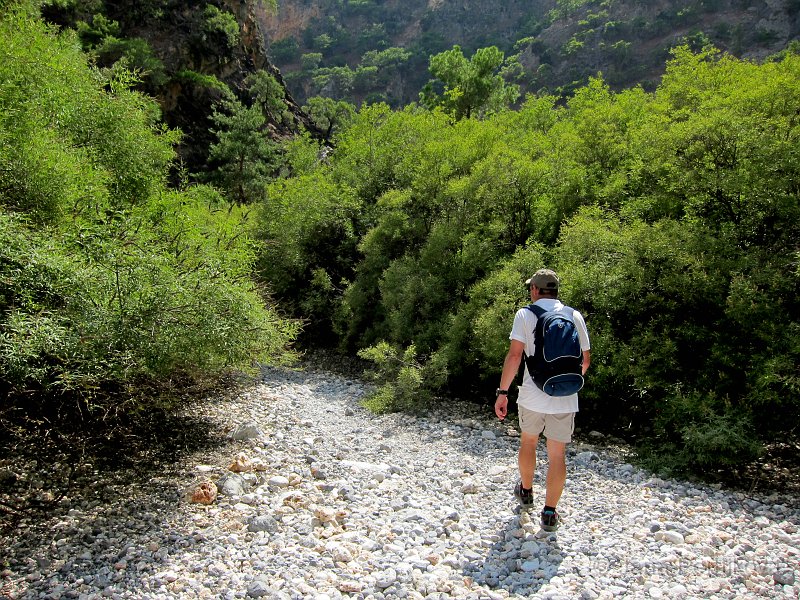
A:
[555, 366]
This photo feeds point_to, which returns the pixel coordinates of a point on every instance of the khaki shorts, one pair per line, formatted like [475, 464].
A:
[558, 427]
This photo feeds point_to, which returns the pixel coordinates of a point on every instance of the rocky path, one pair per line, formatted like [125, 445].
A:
[333, 502]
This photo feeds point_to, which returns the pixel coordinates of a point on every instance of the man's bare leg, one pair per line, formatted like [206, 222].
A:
[556, 471]
[527, 458]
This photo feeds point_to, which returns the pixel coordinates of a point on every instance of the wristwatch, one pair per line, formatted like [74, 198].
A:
[500, 392]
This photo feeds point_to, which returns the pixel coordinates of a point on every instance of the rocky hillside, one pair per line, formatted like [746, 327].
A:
[379, 50]
[327, 46]
[190, 55]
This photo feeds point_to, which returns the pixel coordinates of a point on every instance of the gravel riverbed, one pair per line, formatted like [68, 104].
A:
[330, 501]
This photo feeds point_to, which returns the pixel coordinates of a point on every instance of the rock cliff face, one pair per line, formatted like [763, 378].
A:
[251, 16]
[460, 22]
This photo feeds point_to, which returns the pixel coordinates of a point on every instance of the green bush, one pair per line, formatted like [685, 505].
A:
[219, 30]
[109, 279]
[94, 311]
[134, 54]
[308, 247]
[286, 50]
[52, 106]
[404, 383]
[40, 286]
[693, 435]
[479, 340]
[92, 34]
[203, 81]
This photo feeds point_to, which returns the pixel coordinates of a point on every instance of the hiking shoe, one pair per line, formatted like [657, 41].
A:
[525, 497]
[550, 520]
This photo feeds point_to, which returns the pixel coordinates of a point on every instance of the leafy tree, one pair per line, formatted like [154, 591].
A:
[306, 229]
[389, 64]
[365, 78]
[303, 154]
[367, 151]
[244, 158]
[478, 337]
[269, 94]
[390, 57]
[329, 115]
[603, 124]
[334, 82]
[285, 51]
[360, 318]
[672, 217]
[471, 87]
[103, 140]
[310, 61]
[566, 8]
[501, 195]
[372, 36]
[136, 55]
[220, 24]
[322, 42]
[434, 225]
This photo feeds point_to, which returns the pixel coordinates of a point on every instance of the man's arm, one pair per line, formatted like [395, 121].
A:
[583, 336]
[587, 360]
[510, 368]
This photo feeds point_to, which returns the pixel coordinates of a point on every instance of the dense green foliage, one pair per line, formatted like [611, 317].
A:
[109, 278]
[672, 217]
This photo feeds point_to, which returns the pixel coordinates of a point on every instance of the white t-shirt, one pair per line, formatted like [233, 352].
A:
[530, 396]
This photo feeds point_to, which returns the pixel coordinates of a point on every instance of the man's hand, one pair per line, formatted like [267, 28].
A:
[501, 407]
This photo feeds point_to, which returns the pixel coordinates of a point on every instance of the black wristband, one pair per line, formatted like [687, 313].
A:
[500, 392]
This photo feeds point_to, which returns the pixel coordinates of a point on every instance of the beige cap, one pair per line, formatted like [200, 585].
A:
[544, 279]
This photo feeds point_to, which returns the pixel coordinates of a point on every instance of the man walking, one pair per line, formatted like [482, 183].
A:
[554, 416]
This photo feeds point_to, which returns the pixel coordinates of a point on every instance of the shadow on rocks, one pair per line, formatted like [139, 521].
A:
[56, 461]
[521, 561]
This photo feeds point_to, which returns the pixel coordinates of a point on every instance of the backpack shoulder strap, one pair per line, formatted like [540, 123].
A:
[537, 310]
[538, 332]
